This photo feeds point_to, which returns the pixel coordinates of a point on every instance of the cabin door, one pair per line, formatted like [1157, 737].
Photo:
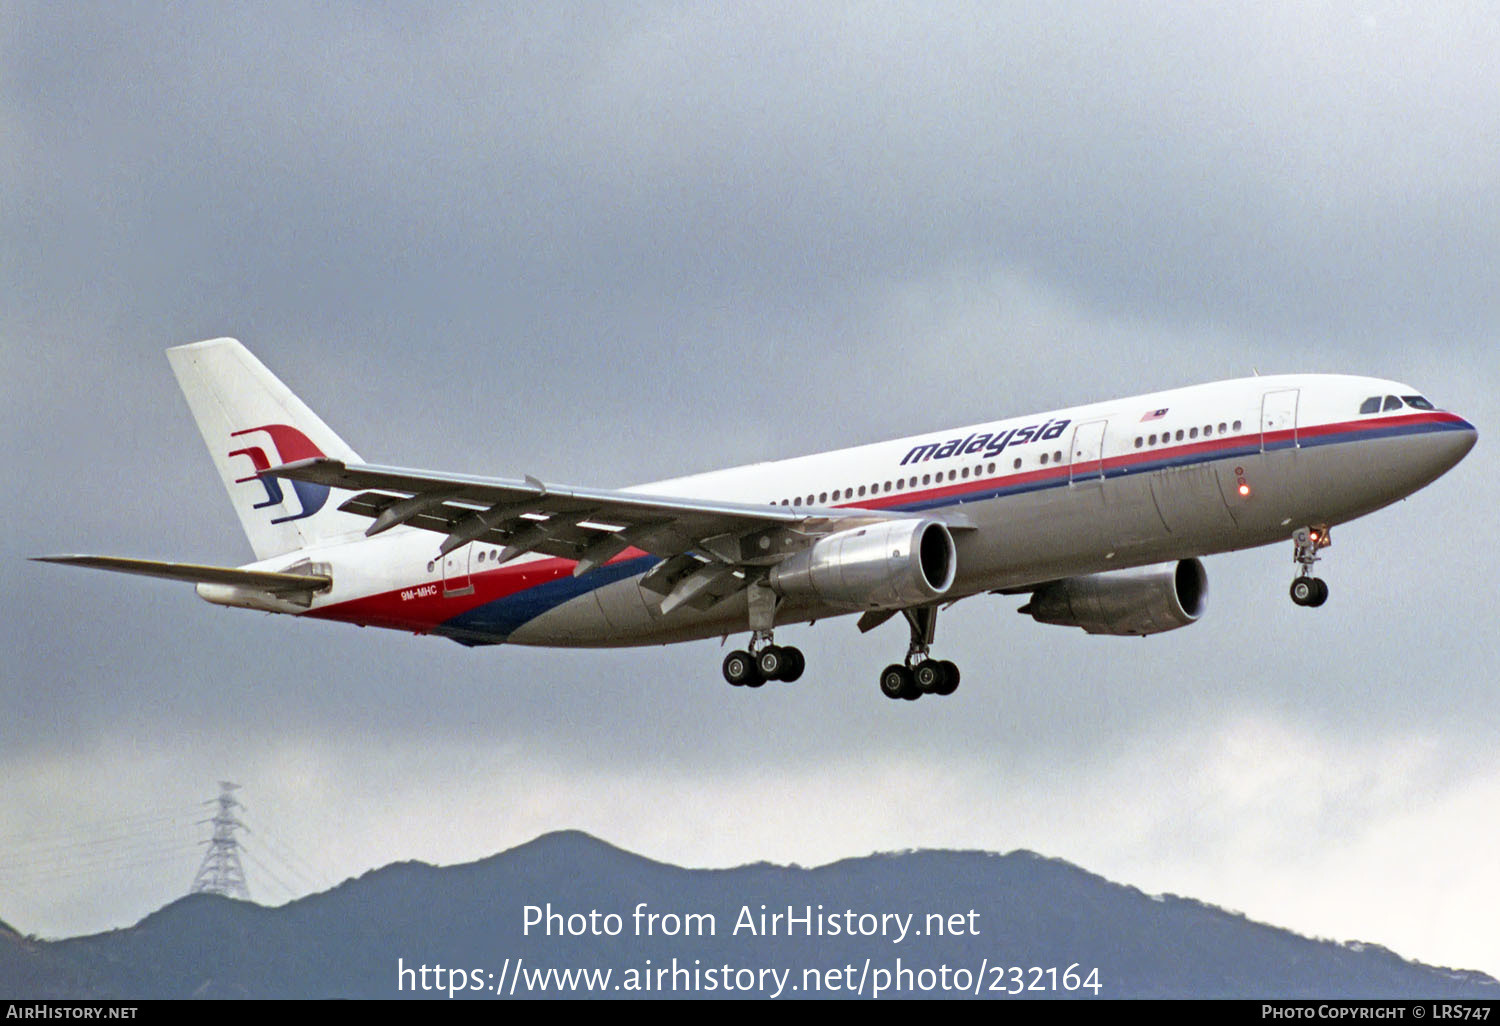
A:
[456, 579]
[1278, 420]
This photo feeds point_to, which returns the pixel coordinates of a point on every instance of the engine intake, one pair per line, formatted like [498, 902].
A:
[1142, 600]
[884, 566]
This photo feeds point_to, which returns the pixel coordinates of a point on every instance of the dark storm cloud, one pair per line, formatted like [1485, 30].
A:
[500, 217]
[1209, 165]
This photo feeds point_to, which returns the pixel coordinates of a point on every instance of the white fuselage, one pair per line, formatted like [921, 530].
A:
[1031, 499]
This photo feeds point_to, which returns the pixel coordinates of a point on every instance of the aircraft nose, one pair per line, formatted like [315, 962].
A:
[1454, 444]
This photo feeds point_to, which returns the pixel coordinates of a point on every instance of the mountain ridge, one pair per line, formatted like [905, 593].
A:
[1018, 908]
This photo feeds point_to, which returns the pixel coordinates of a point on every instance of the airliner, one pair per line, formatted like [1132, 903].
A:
[1097, 513]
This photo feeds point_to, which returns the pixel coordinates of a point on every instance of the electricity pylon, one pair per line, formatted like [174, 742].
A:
[221, 872]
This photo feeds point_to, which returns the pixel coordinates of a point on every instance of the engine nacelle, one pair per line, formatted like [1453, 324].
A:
[883, 566]
[1142, 600]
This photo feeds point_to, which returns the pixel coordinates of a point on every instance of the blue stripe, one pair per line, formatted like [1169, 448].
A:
[491, 622]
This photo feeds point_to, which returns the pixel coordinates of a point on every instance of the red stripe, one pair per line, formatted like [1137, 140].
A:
[424, 611]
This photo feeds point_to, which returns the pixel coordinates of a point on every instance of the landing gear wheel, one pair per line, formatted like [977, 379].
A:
[929, 677]
[772, 662]
[950, 678]
[740, 669]
[795, 664]
[1309, 591]
[896, 682]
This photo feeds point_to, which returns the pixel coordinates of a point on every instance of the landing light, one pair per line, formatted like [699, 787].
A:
[1244, 489]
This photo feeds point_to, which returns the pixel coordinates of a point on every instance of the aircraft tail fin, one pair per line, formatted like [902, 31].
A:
[251, 421]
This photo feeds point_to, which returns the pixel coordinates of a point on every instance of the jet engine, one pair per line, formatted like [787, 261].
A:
[1142, 600]
[883, 566]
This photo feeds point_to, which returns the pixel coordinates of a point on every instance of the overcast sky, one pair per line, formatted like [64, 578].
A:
[604, 245]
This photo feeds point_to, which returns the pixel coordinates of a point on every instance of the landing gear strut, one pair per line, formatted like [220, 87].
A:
[1308, 590]
[920, 674]
[765, 660]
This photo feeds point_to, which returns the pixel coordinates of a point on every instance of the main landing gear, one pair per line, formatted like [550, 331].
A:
[765, 661]
[1308, 590]
[920, 674]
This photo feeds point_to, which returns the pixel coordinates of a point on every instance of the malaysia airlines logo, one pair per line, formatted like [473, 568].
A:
[990, 444]
[287, 444]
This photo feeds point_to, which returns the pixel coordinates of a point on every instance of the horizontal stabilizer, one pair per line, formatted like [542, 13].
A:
[196, 573]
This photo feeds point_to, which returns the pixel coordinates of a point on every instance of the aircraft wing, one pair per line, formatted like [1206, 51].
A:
[709, 541]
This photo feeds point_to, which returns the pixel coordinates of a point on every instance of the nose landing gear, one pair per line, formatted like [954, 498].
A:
[1308, 590]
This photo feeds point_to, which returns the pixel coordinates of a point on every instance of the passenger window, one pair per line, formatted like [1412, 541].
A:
[953, 475]
[992, 468]
[1370, 405]
[965, 474]
[1179, 434]
[1417, 402]
[1236, 425]
[1392, 403]
[1223, 428]
[1057, 457]
[1153, 439]
[1193, 433]
[1018, 463]
[927, 479]
[1044, 459]
[1138, 441]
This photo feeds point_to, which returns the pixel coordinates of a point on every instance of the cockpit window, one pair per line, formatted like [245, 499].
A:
[1392, 403]
[1417, 402]
[1370, 405]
